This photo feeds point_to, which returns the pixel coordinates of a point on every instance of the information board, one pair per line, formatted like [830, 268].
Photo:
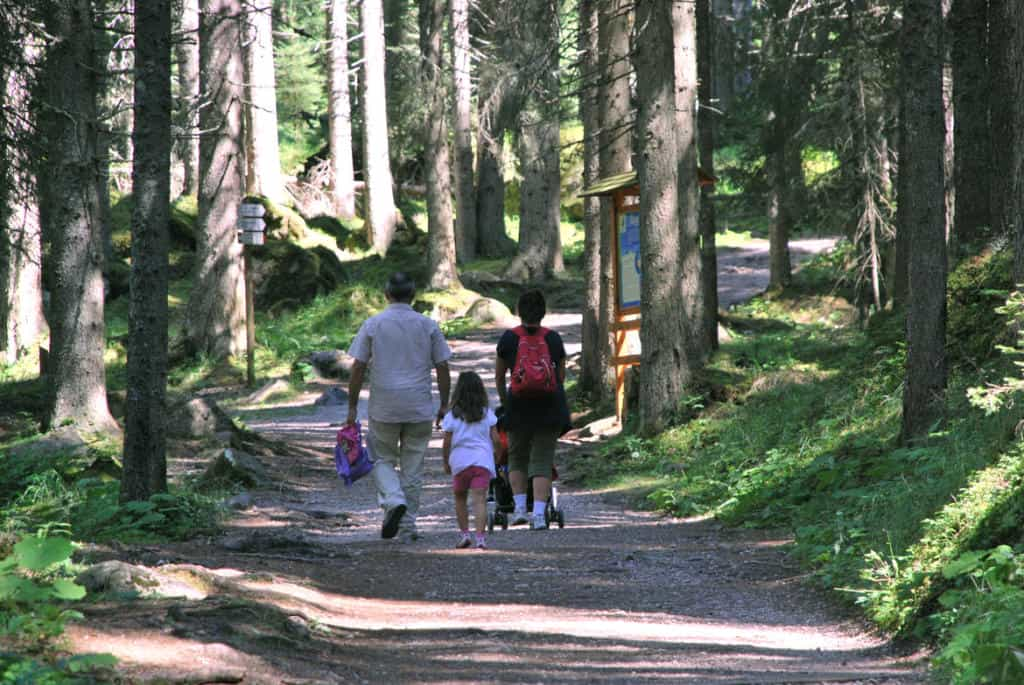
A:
[629, 260]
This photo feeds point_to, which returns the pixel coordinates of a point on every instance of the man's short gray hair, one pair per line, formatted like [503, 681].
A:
[400, 287]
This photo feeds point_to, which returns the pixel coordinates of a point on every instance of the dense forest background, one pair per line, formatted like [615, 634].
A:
[453, 139]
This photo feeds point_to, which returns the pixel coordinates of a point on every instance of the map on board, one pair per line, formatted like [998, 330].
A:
[629, 259]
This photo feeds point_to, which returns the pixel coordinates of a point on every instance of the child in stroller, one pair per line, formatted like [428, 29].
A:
[499, 496]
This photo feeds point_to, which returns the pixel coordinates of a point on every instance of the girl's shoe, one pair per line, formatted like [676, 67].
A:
[538, 523]
[464, 541]
[481, 542]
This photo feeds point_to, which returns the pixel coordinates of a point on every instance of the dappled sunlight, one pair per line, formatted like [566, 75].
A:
[342, 611]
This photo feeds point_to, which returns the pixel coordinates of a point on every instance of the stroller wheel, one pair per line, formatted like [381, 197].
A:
[490, 522]
[561, 519]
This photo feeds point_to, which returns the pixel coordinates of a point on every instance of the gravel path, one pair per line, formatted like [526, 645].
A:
[617, 596]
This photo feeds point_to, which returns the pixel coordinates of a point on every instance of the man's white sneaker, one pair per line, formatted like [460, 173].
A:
[519, 517]
[538, 523]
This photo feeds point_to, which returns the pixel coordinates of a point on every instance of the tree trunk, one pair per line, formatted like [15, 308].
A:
[684, 18]
[540, 244]
[441, 250]
[615, 150]
[1008, 16]
[21, 288]
[706, 144]
[465, 197]
[722, 53]
[186, 47]
[594, 364]
[263, 160]
[381, 219]
[971, 85]
[76, 375]
[145, 440]
[216, 314]
[925, 387]
[665, 367]
[339, 105]
[492, 240]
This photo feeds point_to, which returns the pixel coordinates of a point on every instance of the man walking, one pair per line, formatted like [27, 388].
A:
[400, 346]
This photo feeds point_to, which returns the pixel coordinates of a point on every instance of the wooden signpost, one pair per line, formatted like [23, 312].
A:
[624, 191]
[250, 232]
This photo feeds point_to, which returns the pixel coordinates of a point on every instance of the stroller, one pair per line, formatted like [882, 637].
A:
[499, 496]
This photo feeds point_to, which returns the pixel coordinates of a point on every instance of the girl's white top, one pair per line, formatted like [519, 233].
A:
[471, 442]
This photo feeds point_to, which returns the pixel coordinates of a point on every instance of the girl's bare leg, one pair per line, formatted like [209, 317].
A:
[479, 509]
[461, 510]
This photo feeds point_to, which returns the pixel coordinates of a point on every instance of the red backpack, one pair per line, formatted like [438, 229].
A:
[534, 373]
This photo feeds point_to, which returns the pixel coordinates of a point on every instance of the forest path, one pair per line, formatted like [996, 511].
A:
[301, 589]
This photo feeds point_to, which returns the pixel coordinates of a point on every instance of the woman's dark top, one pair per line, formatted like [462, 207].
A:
[542, 412]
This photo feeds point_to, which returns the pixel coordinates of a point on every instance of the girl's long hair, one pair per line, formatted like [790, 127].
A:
[469, 400]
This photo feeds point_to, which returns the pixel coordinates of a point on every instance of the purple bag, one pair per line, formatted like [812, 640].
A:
[351, 458]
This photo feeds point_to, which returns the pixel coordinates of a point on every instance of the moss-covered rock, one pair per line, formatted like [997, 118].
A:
[977, 286]
[282, 223]
[286, 275]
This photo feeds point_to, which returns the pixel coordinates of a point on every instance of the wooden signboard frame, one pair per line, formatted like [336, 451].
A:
[625, 205]
[624, 192]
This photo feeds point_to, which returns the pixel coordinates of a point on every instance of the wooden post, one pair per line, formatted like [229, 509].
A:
[250, 322]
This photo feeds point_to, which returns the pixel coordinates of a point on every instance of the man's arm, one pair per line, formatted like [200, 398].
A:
[444, 387]
[355, 386]
[499, 378]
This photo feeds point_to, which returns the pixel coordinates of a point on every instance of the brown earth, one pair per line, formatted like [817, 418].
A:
[301, 589]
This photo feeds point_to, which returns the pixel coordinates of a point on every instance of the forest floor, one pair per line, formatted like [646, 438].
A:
[300, 588]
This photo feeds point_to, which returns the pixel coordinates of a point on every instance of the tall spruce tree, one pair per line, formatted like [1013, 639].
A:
[145, 440]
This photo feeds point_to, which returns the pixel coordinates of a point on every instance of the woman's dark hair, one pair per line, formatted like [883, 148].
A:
[531, 307]
[400, 287]
[469, 400]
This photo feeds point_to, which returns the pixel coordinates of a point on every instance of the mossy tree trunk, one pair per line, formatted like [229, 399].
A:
[465, 196]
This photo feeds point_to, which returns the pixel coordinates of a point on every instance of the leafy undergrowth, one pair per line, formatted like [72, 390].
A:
[796, 426]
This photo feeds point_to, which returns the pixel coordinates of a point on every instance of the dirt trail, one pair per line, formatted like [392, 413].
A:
[301, 589]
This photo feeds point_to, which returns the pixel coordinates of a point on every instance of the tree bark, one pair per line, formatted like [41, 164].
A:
[615, 151]
[186, 49]
[972, 143]
[593, 366]
[706, 148]
[263, 160]
[145, 440]
[381, 215]
[76, 378]
[665, 246]
[339, 105]
[492, 116]
[21, 289]
[925, 388]
[215, 325]
[1008, 16]
[442, 240]
[684, 25]
[465, 197]
[540, 243]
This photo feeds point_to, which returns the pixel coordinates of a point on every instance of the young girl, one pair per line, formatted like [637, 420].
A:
[470, 442]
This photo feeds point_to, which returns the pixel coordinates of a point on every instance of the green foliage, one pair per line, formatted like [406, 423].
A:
[980, 618]
[35, 585]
